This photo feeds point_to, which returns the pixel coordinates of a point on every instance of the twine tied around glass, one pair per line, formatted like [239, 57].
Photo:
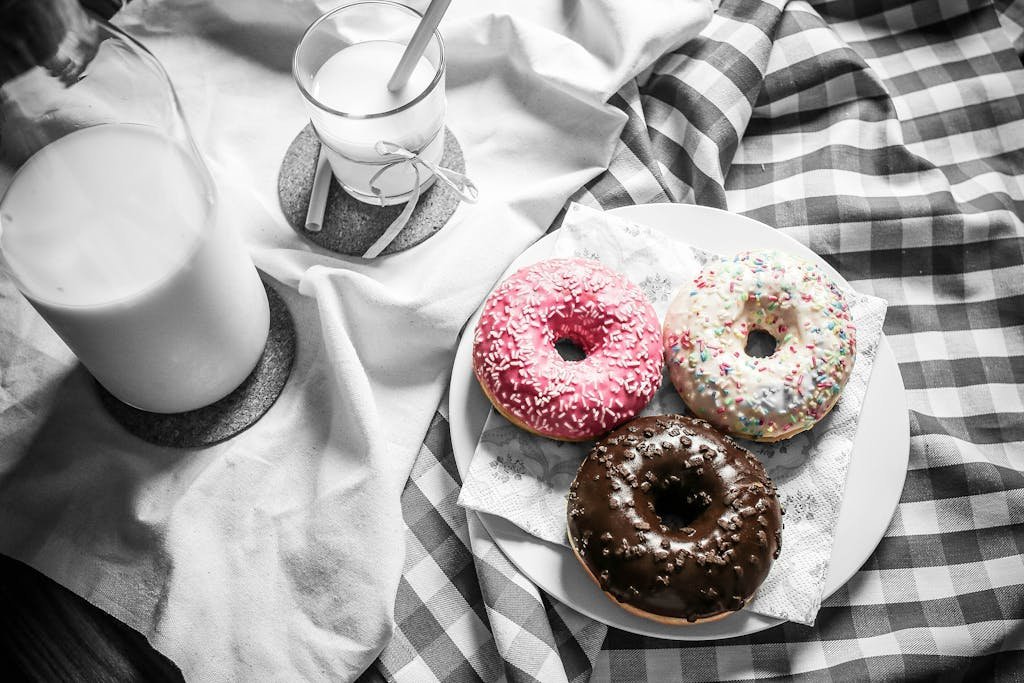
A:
[395, 155]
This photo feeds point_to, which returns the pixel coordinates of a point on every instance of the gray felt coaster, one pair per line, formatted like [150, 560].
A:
[232, 414]
[351, 226]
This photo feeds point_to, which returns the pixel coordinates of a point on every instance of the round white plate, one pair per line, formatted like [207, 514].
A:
[878, 465]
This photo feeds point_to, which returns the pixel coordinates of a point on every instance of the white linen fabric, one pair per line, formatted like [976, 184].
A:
[277, 555]
[525, 478]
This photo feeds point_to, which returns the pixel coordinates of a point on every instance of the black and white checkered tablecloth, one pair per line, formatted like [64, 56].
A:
[888, 136]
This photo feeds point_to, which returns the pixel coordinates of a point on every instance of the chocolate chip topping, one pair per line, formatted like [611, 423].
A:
[703, 498]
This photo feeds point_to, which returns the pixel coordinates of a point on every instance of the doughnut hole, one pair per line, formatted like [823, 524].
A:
[570, 350]
[679, 504]
[760, 344]
[577, 340]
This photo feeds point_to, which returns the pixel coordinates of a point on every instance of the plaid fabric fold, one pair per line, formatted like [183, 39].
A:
[889, 138]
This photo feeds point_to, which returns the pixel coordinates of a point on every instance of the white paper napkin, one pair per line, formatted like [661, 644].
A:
[525, 478]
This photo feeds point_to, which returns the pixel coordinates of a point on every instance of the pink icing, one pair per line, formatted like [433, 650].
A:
[599, 310]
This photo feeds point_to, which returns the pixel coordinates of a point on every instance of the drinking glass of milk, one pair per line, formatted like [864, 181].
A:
[342, 67]
[110, 227]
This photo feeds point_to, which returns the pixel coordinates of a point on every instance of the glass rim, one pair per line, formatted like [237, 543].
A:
[321, 106]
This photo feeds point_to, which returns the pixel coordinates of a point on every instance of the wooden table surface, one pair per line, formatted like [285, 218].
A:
[47, 633]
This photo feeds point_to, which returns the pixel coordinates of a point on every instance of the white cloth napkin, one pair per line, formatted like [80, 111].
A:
[277, 555]
[525, 478]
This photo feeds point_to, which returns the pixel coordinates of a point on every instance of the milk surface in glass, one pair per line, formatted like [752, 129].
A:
[111, 233]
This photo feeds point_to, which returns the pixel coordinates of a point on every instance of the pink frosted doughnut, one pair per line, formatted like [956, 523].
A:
[582, 301]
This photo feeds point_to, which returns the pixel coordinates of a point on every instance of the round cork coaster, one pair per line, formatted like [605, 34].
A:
[232, 414]
[350, 226]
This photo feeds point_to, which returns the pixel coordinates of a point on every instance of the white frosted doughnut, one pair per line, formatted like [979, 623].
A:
[760, 398]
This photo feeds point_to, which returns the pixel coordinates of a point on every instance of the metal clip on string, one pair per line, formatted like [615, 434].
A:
[397, 155]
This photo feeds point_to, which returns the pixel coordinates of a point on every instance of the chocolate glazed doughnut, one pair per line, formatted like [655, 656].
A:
[674, 520]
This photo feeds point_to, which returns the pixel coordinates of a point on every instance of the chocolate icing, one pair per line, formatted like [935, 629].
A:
[675, 519]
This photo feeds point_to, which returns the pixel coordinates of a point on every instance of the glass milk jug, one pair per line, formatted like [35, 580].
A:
[109, 220]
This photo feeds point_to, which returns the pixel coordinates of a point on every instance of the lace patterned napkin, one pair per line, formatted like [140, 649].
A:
[525, 478]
